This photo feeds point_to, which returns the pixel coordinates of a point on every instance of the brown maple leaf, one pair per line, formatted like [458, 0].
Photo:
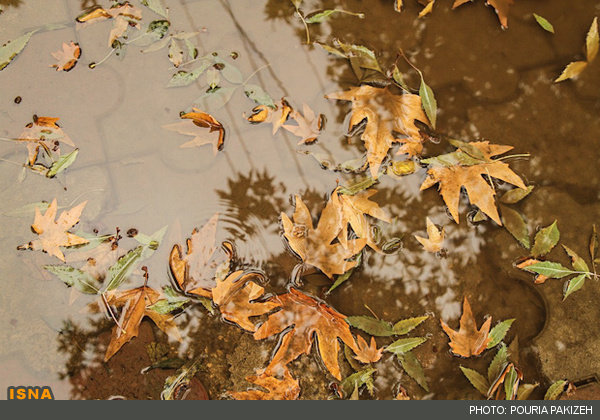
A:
[314, 246]
[367, 353]
[459, 169]
[196, 272]
[277, 116]
[55, 234]
[468, 341]
[273, 388]
[500, 6]
[309, 125]
[385, 114]
[68, 57]
[236, 297]
[124, 15]
[43, 132]
[307, 318]
[196, 124]
[135, 303]
[355, 209]
[433, 243]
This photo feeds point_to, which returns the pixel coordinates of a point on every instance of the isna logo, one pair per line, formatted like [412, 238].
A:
[29, 393]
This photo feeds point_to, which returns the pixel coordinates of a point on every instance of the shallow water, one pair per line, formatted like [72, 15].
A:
[489, 83]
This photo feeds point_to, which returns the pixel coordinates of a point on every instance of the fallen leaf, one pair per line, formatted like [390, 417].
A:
[236, 297]
[367, 353]
[196, 124]
[545, 240]
[544, 23]
[309, 125]
[273, 388]
[43, 132]
[458, 169]
[355, 208]
[592, 43]
[196, 271]
[468, 340]
[307, 318]
[500, 6]
[427, 9]
[11, 49]
[314, 246]
[55, 234]
[135, 303]
[68, 57]
[123, 14]
[385, 113]
[266, 114]
[435, 238]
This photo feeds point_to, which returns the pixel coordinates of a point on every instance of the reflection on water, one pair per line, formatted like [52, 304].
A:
[134, 175]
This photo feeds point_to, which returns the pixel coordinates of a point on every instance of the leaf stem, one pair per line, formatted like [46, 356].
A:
[305, 26]
[112, 315]
[256, 71]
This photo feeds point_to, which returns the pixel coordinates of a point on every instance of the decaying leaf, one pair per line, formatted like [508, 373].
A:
[135, 303]
[196, 272]
[55, 234]
[43, 133]
[500, 6]
[471, 167]
[276, 116]
[367, 352]
[435, 238]
[385, 114]
[308, 125]
[202, 126]
[123, 14]
[592, 43]
[307, 317]
[68, 57]
[272, 387]
[314, 245]
[236, 297]
[355, 208]
[468, 340]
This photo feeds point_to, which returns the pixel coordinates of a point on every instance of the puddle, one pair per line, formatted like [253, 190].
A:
[489, 83]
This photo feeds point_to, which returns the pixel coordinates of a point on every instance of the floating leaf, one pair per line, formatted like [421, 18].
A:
[572, 70]
[156, 6]
[68, 57]
[62, 163]
[184, 78]
[516, 194]
[12, 48]
[525, 390]
[357, 380]
[428, 100]
[574, 284]
[172, 302]
[543, 22]
[258, 95]
[468, 340]
[592, 41]
[515, 224]
[371, 326]
[498, 332]
[413, 368]
[549, 269]
[427, 10]
[119, 272]
[545, 240]
[435, 238]
[404, 345]
[478, 381]
[578, 263]
[555, 390]
[76, 278]
[498, 365]
[320, 17]
[405, 326]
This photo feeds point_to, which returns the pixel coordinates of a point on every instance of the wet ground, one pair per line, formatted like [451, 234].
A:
[489, 83]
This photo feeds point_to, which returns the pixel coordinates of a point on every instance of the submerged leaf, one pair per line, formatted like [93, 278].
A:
[514, 222]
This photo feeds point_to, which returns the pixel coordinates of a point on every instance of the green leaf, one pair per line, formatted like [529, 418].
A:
[12, 48]
[405, 326]
[172, 302]
[549, 269]
[428, 101]
[371, 326]
[525, 390]
[158, 29]
[497, 365]
[215, 99]
[320, 17]
[152, 242]
[499, 331]
[543, 22]
[515, 195]
[344, 277]
[62, 163]
[555, 390]
[258, 95]
[156, 6]
[365, 57]
[331, 50]
[413, 367]
[593, 246]
[117, 273]
[514, 223]
[404, 345]
[74, 277]
[574, 284]
[230, 72]
[184, 78]
[545, 240]
[578, 263]
[510, 381]
[399, 78]
[358, 186]
[207, 303]
[357, 380]
[477, 380]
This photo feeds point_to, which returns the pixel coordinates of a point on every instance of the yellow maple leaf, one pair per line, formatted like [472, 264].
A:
[435, 238]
